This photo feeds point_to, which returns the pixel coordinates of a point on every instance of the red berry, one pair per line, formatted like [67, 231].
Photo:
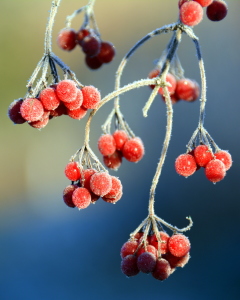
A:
[191, 13]
[78, 113]
[85, 178]
[101, 183]
[133, 149]
[49, 99]
[67, 39]
[217, 10]
[81, 35]
[129, 265]
[66, 90]
[225, 157]
[175, 261]
[162, 269]
[128, 248]
[113, 200]
[169, 78]
[91, 97]
[204, 3]
[146, 262]
[202, 155]
[72, 171]
[14, 112]
[91, 45]
[215, 170]
[113, 161]
[185, 165]
[164, 241]
[116, 188]
[149, 248]
[106, 144]
[31, 109]
[93, 62]
[187, 89]
[76, 103]
[120, 137]
[81, 198]
[40, 123]
[67, 195]
[180, 2]
[179, 245]
[107, 52]
[174, 98]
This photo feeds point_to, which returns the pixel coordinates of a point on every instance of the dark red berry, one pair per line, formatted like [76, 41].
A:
[67, 39]
[129, 266]
[175, 261]
[93, 62]
[81, 34]
[14, 112]
[217, 10]
[91, 45]
[67, 195]
[107, 52]
[128, 248]
[162, 269]
[113, 161]
[146, 262]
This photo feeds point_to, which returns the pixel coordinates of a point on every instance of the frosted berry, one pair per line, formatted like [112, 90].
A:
[191, 13]
[149, 248]
[180, 2]
[67, 39]
[113, 161]
[120, 137]
[106, 144]
[66, 90]
[107, 52]
[76, 103]
[67, 195]
[202, 155]
[81, 197]
[204, 3]
[78, 113]
[225, 157]
[169, 78]
[93, 62]
[85, 178]
[133, 149]
[129, 266]
[128, 248]
[101, 183]
[31, 109]
[91, 97]
[14, 112]
[187, 89]
[185, 165]
[91, 45]
[40, 123]
[217, 10]
[72, 171]
[59, 111]
[146, 262]
[114, 199]
[175, 261]
[81, 34]
[116, 188]
[164, 241]
[162, 269]
[215, 170]
[49, 98]
[179, 245]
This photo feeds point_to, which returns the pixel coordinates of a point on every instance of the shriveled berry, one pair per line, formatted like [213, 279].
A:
[107, 52]
[49, 98]
[185, 165]
[162, 269]
[187, 89]
[129, 266]
[146, 262]
[204, 3]
[128, 248]
[66, 90]
[179, 245]
[164, 241]
[113, 161]
[217, 10]
[76, 104]
[67, 39]
[67, 195]
[175, 261]
[215, 170]
[31, 109]
[106, 144]
[78, 113]
[91, 97]
[14, 112]
[225, 157]
[101, 183]
[120, 137]
[133, 149]
[72, 171]
[91, 45]
[81, 198]
[191, 13]
[93, 62]
[202, 155]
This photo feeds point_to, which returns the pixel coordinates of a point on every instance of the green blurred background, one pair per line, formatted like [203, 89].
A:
[49, 251]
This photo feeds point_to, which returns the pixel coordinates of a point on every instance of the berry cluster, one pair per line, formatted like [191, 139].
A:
[215, 164]
[63, 98]
[191, 12]
[114, 147]
[184, 88]
[88, 185]
[158, 256]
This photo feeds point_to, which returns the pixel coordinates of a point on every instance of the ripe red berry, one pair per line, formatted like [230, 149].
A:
[128, 248]
[162, 269]
[113, 200]
[72, 171]
[76, 103]
[91, 45]
[67, 39]
[78, 113]
[31, 109]
[179, 245]
[217, 10]
[67, 195]
[204, 3]
[169, 78]
[107, 52]
[81, 35]
[225, 157]
[187, 89]
[191, 13]
[180, 2]
[91, 97]
[40, 123]
[120, 137]
[202, 155]
[116, 188]
[146, 262]
[85, 178]
[174, 98]
[14, 112]
[49, 98]
[106, 144]
[93, 62]
[215, 170]
[66, 90]
[133, 149]
[175, 261]
[101, 183]
[148, 248]
[185, 165]
[164, 241]
[81, 197]
[129, 265]
[113, 161]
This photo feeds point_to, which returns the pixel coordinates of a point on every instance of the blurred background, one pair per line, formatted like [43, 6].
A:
[50, 251]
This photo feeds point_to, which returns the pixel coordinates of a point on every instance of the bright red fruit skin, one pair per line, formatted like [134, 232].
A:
[72, 171]
[204, 3]
[128, 248]
[133, 150]
[164, 242]
[67, 39]
[91, 97]
[187, 89]
[106, 144]
[191, 13]
[31, 109]
[185, 165]
[202, 155]
[120, 137]
[101, 183]
[66, 90]
[225, 157]
[179, 245]
[49, 99]
[81, 197]
[215, 170]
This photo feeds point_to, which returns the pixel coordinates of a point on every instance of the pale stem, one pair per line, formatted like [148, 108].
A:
[174, 228]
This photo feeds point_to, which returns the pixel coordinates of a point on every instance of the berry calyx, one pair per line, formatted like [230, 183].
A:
[101, 183]
[217, 10]
[91, 97]
[185, 165]
[215, 170]
[106, 144]
[72, 171]
[225, 157]
[66, 90]
[202, 155]
[191, 13]
[179, 245]
[81, 197]
[67, 39]
[31, 109]
[133, 149]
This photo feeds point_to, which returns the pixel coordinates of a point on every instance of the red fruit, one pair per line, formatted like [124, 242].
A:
[72, 171]
[179, 245]
[59, 111]
[81, 35]
[49, 99]
[66, 90]
[133, 149]
[169, 78]
[120, 137]
[154, 73]
[85, 179]
[180, 2]
[116, 188]
[185, 165]
[106, 144]
[215, 170]
[67, 195]
[128, 248]
[191, 13]
[107, 52]
[225, 157]
[67, 39]
[217, 10]
[113, 161]
[91, 97]
[204, 3]
[187, 89]
[177, 261]
[91, 45]
[78, 113]
[101, 183]
[76, 103]
[81, 198]
[149, 248]
[40, 123]
[164, 242]
[93, 62]
[174, 98]
[14, 112]
[162, 269]
[113, 200]
[31, 109]
[146, 262]
[129, 265]
[202, 155]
